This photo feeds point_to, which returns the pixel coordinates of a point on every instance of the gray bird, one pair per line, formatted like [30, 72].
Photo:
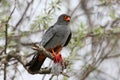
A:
[54, 39]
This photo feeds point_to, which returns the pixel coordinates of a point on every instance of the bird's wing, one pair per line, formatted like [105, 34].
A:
[48, 35]
[68, 39]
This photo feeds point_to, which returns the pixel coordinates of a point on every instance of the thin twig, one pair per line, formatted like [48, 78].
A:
[45, 74]
[113, 56]
[6, 38]
[51, 77]
[76, 8]
[2, 51]
[25, 11]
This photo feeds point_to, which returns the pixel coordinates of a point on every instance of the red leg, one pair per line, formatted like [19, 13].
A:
[53, 53]
[57, 55]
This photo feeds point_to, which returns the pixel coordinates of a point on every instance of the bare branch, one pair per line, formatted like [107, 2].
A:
[25, 11]
[76, 8]
[6, 38]
[22, 60]
[40, 49]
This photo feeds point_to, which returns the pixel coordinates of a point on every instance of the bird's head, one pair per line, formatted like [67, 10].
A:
[64, 19]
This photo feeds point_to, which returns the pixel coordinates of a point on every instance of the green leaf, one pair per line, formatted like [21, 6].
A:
[98, 31]
[112, 14]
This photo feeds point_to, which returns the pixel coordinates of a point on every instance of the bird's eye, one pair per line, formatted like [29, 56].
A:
[67, 18]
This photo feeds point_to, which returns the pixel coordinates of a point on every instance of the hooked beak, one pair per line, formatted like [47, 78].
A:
[67, 18]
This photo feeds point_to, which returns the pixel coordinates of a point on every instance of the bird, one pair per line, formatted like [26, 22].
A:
[54, 39]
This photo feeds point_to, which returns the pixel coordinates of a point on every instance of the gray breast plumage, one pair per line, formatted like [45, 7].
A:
[55, 36]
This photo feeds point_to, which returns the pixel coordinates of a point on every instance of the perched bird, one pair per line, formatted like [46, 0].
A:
[53, 40]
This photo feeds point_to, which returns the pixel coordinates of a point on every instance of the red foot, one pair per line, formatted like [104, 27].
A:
[57, 57]
[58, 65]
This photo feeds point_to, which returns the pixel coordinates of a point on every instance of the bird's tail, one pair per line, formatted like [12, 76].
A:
[35, 64]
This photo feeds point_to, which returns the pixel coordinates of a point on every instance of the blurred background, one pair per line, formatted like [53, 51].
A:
[93, 52]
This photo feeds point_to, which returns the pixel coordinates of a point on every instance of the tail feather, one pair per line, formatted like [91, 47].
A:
[36, 62]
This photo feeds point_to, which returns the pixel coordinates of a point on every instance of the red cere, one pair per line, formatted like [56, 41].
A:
[67, 18]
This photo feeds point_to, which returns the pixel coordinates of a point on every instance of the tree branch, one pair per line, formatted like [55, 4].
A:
[25, 11]
[22, 59]
[40, 49]
[6, 38]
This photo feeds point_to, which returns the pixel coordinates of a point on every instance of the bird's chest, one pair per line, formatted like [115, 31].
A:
[62, 32]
